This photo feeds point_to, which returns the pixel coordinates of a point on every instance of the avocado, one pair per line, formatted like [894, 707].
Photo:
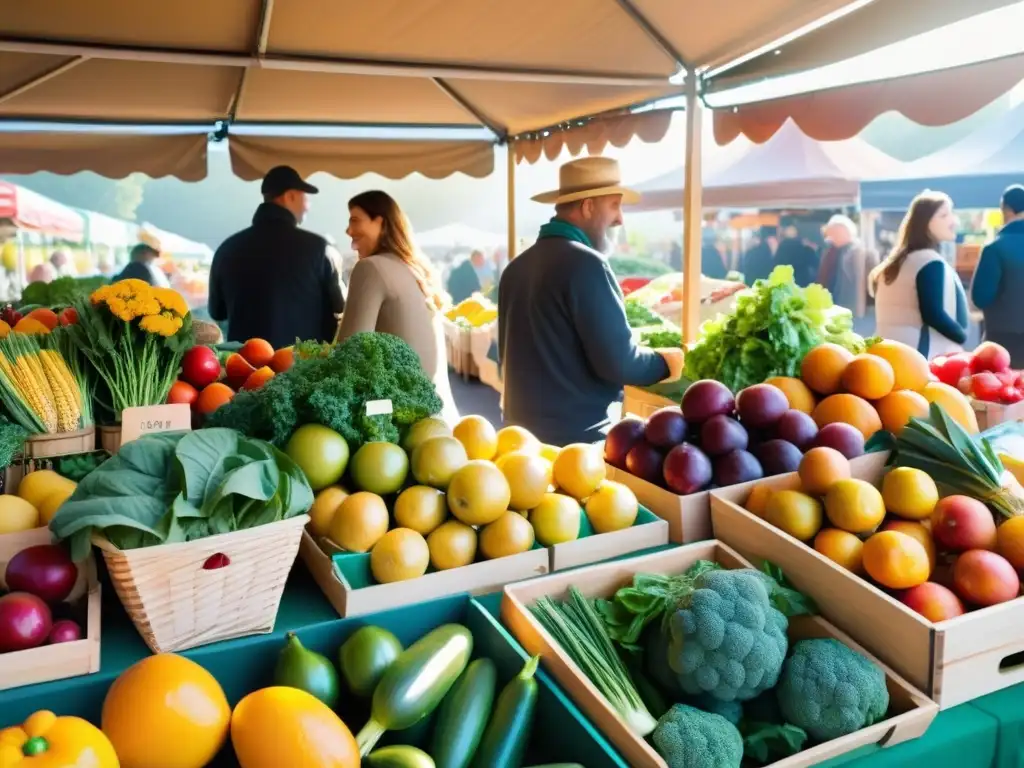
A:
[299, 667]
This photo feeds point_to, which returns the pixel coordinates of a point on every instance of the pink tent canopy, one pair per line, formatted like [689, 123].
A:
[32, 211]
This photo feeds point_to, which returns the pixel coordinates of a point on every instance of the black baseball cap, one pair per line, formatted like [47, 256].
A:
[284, 178]
[1013, 198]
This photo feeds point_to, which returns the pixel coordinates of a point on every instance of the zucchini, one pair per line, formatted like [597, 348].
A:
[505, 737]
[365, 657]
[398, 757]
[463, 716]
[416, 682]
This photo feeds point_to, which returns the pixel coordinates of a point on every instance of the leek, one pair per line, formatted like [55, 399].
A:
[577, 628]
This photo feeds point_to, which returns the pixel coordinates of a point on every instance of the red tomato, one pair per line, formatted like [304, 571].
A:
[1011, 395]
[1008, 378]
[954, 368]
[986, 386]
[182, 392]
[69, 316]
[990, 356]
[200, 367]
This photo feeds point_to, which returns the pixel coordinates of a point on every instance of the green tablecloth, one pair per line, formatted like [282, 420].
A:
[986, 732]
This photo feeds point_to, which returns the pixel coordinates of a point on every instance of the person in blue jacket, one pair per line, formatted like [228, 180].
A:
[919, 299]
[998, 286]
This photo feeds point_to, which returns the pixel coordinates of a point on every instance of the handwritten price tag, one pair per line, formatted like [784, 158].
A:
[136, 422]
[379, 408]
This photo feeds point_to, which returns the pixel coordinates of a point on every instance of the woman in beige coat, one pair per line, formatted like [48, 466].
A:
[393, 288]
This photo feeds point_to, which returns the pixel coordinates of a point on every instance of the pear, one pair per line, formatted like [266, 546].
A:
[309, 671]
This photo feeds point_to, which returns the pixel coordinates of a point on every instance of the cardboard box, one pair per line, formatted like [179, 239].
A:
[640, 402]
[952, 662]
[912, 711]
[54, 662]
[688, 517]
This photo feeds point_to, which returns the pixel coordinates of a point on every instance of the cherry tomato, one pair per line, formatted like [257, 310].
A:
[182, 392]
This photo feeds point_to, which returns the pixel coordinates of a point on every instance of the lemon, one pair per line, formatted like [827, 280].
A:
[549, 452]
[452, 544]
[49, 506]
[477, 436]
[612, 507]
[516, 439]
[510, 534]
[556, 519]
[579, 470]
[359, 522]
[420, 508]
[909, 493]
[528, 478]
[324, 506]
[36, 486]
[399, 555]
[795, 513]
[854, 505]
[17, 515]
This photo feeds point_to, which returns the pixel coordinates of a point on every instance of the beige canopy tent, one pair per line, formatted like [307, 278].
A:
[527, 70]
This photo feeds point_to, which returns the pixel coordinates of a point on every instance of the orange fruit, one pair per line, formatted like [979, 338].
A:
[854, 505]
[517, 439]
[324, 506]
[954, 402]
[400, 554]
[794, 512]
[477, 436]
[279, 726]
[29, 325]
[213, 397]
[841, 547]
[849, 409]
[757, 501]
[579, 470]
[257, 352]
[478, 493]
[283, 359]
[909, 366]
[45, 316]
[822, 368]
[259, 377]
[237, 369]
[868, 376]
[528, 475]
[899, 407]
[896, 560]
[1010, 541]
[820, 468]
[166, 711]
[918, 532]
[359, 522]
[797, 393]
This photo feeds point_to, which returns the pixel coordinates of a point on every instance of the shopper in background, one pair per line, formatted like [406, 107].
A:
[142, 266]
[919, 299]
[394, 288]
[794, 251]
[564, 345]
[846, 265]
[273, 280]
[759, 261]
[465, 279]
[998, 285]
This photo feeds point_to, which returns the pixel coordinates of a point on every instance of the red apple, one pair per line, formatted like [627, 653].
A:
[985, 578]
[986, 386]
[990, 356]
[1010, 395]
[960, 523]
[25, 622]
[200, 366]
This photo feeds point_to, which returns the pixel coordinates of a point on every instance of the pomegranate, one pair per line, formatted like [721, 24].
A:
[25, 622]
[44, 570]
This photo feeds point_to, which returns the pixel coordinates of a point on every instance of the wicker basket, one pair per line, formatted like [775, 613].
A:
[110, 438]
[176, 603]
[60, 444]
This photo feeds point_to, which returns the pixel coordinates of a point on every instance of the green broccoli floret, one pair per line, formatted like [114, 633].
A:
[726, 640]
[730, 710]
[687, 737]
[830, 690]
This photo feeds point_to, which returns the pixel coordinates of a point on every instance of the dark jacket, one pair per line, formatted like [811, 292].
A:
[997, 288]
[564, 345]
[758, 263]
[463, 282]
[276, 282]
[801, 257]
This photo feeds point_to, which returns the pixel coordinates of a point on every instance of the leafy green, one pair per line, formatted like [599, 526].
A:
[333, 390]
[639, 316]
[182, 486]
[12, 440]
[783, 596]
[77, 466]
[766, 743]
[772, 327]
[637, 266]
[60, 292]
[659, 339]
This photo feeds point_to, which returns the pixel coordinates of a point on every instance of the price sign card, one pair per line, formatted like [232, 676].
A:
[379, 408]
[136, 422]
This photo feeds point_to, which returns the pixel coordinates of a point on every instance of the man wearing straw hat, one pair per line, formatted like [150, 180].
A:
[565, 347]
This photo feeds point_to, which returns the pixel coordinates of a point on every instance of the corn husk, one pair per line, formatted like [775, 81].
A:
[958, 462]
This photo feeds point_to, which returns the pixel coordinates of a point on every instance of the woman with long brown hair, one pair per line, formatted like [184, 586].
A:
[393, 288]
[919, 298]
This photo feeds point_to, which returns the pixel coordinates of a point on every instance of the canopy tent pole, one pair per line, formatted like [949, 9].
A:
[692, 210]
[510, 164]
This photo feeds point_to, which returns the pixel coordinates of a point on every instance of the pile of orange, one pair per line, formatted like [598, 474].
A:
[883, 388]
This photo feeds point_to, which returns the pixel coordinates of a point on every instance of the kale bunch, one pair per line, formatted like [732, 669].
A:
[334, 391]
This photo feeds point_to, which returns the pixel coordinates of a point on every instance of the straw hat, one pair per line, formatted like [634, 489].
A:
[588, 177]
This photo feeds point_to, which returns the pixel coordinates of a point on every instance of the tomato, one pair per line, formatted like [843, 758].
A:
[954, 368]
[986, 386]
[990, 356]
[69, 316]
[182, 392]
[1010, 394]
[1007, 378]
[200, 367]
[213, 397]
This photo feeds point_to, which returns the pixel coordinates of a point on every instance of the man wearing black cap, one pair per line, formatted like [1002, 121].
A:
[999, 279]
[273, 280]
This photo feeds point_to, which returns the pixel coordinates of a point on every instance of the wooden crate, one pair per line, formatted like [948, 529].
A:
[647, 531]
[640, 402]
[992, 414]
[913, 712]
[457, 341]
[688, 517]
[952, 662]
[54, 662]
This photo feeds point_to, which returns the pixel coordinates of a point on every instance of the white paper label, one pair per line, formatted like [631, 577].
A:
[379, 408]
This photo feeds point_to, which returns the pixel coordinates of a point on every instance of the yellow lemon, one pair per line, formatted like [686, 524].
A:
[324, 506]
[477, 436]
[421, 509]
[854, 505]
[17, 515]
[909, 493]
[579, 470]
[36, 486]
[556, 519]
[794, 512]
[612, 507]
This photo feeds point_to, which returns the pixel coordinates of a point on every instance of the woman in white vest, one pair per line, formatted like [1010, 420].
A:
[919, 298]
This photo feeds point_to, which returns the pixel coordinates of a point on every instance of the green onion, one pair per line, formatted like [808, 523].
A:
[577, 628]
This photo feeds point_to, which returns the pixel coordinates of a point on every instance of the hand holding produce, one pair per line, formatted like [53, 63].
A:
[45, 740]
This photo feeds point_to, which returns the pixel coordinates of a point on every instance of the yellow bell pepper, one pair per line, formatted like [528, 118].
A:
[47, 741]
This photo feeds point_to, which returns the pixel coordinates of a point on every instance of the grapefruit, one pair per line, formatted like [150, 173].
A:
[529, 477]
[379, 468]
[510, 534]
[359, 522]
[420, 508]
[478, 493]
[478, 437]
[579, 470]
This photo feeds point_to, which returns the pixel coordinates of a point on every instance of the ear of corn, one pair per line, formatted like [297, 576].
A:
[42, 392]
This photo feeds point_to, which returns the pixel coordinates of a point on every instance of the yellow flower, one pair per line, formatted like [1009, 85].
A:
[100, 294]
[172, 300]
[141, 306]
[119, 308]
[164, 324]
[132, 285]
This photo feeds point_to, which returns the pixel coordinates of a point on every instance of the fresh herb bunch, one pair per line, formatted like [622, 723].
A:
[959, 463]
[638, 266]
[660, 339]
[12, 440]
[333, 391]
[61, 292]
[639, 316]
[773, 326]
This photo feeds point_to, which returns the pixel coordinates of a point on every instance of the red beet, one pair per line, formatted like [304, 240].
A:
[620, 440]
[687, 469]
[644, 461]
[666, 428]
[64, 631]
[706, 398]
[25, 622]
[44, 570]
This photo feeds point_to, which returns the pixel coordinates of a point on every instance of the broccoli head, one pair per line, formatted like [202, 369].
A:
[726, 639]
[687, 737]
[730, 710]
[830, 690]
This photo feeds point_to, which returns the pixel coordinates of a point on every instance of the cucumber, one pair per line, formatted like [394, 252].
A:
[505, 737]
[415, 682]
[398, 757]
[463, 716]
